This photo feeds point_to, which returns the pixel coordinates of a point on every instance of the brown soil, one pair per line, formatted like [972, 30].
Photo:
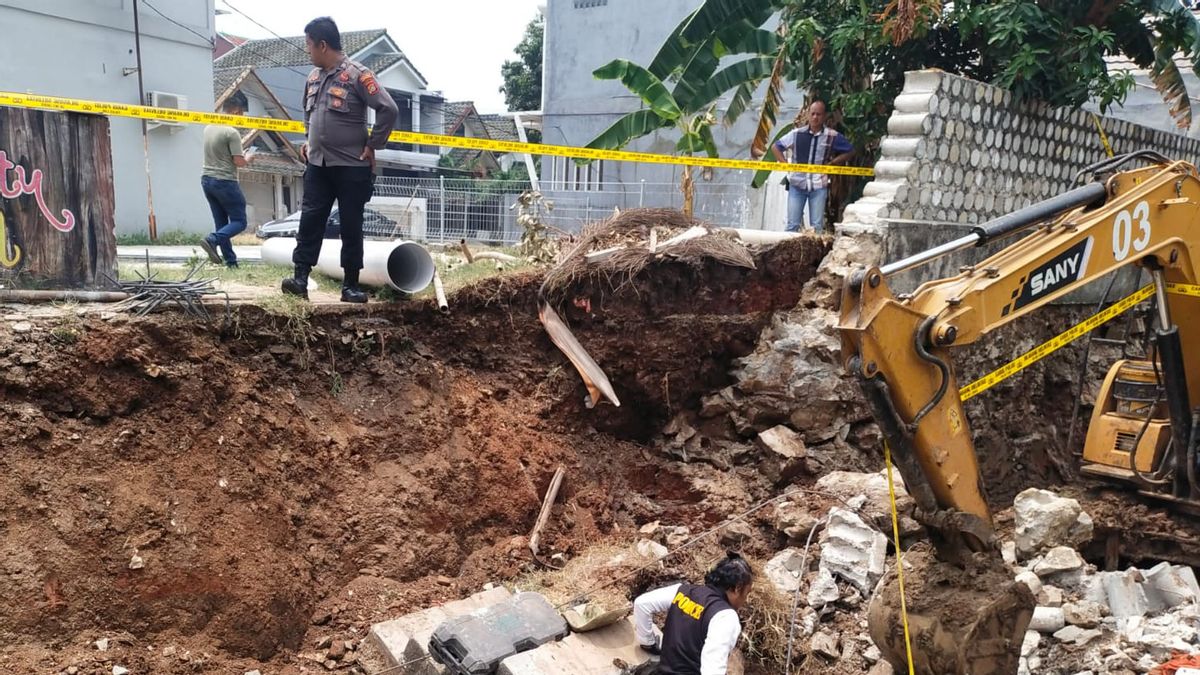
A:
[291, 480]
[960, 619]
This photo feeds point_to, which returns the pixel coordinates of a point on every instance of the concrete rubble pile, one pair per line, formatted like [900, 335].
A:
[1089, 621]
[1086, 621]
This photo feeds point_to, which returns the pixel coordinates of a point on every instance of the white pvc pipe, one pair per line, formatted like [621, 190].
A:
[402, 265]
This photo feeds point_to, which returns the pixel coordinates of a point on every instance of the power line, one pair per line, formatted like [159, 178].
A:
[189, 29]
[209, 41]
[256, 23]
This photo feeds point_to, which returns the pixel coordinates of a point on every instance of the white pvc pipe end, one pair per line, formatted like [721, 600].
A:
[410, 267]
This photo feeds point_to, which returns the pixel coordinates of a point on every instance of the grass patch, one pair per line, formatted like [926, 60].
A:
[250, 275]
[179, 238]
[464, 274]
[173, 238]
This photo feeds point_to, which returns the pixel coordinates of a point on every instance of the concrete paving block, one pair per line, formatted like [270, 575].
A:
[579, 654]
[407, 639]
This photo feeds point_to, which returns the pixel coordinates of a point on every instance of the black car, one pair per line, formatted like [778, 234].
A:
[375, 224]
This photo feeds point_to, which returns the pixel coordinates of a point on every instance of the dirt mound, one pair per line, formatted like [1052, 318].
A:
[215, 502]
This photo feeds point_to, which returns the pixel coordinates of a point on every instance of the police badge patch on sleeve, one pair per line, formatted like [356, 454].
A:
[368, 82]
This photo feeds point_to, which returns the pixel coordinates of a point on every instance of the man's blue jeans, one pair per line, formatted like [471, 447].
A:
[815, 199]
[228, 206]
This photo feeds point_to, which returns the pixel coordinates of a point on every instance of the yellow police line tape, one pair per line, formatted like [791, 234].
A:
[16, 100]
[1068, 336]
[1103, 136]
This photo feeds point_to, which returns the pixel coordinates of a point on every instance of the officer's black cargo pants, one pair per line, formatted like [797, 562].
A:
[352, 187]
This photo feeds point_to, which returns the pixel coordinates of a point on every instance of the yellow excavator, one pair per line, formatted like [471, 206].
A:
[1139, 209]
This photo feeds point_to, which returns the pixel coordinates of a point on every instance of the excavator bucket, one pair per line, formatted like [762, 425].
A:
[960, 621]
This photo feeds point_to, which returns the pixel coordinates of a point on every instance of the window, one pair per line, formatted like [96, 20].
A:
[584, 4]
[565, 174]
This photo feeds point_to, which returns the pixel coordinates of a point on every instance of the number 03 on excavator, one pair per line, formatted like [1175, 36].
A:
[1143, 430]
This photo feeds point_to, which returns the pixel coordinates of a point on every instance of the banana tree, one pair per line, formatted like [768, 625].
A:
[681, 87]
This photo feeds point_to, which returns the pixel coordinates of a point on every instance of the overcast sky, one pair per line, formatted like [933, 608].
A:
[458, 45]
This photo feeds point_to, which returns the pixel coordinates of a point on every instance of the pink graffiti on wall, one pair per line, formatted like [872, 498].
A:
[31, 185]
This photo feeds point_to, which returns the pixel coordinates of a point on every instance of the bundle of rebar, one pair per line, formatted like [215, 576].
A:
[148, 293]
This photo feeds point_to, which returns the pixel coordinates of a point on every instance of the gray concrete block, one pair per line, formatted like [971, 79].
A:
[406, 639]
[590, 653]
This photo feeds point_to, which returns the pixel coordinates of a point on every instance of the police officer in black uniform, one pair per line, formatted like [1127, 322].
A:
[702, 625]
[339, 155]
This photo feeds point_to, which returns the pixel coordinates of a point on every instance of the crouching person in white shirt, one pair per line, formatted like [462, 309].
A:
[702, 624]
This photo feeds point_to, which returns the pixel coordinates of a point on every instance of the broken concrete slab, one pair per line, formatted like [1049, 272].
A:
[1008, 552]
[1077, 635]
[406, 639]
[881, 668]
[1030, 644]
[1058, 560]
[853, 550]
[590, 616]
[784, 454]
[1045, 520]
[579, 653]
[784, 570]
[651, 549]
[1032, 581]
[1050, 596]
[795, 521]
[877, 508]
[782, 441]
[1168, 586]
[1122, 592]
[824, 589]
[825, 644]
[1047, 619]
[1084, 613]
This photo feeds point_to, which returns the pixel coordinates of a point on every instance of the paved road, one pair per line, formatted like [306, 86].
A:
[178, 254]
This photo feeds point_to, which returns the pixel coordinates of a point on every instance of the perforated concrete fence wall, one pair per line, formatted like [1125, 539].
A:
[960, 152]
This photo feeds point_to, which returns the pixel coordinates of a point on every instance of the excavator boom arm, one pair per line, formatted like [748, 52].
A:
[899, 346]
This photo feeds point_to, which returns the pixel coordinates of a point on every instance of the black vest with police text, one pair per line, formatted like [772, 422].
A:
[687, 627]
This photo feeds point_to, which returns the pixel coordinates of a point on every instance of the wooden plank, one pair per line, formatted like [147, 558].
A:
[57, 205]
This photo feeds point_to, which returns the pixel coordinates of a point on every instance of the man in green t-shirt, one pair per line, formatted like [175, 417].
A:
[223, 157]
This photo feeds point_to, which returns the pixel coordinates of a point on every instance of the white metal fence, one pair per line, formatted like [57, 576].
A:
[448, 209]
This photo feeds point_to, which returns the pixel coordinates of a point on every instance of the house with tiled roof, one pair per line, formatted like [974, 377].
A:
[273, 182]
[283, 65]
[224, 43]
[463, 119]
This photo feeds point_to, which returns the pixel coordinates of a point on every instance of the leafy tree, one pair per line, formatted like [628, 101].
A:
[522, 87]
[854, 53]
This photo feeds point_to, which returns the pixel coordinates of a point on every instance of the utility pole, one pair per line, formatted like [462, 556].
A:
[151, 222]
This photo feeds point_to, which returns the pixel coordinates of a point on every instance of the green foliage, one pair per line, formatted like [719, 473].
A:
[853, 54]
[1052, 51]
[522, 87]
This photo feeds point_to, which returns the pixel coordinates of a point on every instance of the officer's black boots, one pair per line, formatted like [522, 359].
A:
[350, 290]
[298, 284]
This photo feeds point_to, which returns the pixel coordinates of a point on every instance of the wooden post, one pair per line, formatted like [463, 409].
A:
[547, 504]
[57, 207]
